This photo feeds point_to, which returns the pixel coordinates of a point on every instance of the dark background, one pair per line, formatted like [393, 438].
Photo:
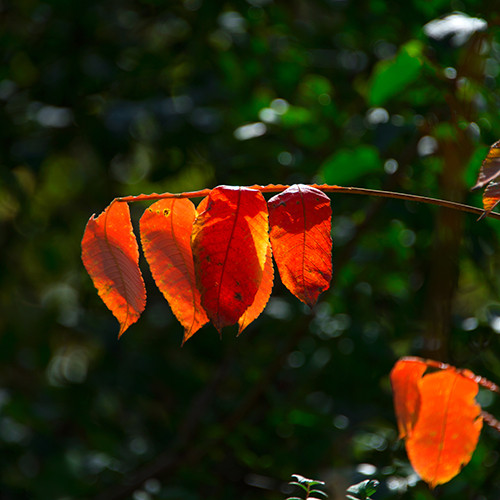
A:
[106, 98]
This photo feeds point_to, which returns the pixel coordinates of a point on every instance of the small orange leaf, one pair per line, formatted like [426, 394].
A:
[110, 255]
[262, 295]
[448, 426]
[300, 220]
[490, 168]
[166, 240]
[491, 198]
[404, 378]
[229, 242]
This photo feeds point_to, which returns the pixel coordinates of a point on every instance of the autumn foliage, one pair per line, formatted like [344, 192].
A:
[166, 241]
[437, 415]
[111, 257]
[489, 172]
[214, 262]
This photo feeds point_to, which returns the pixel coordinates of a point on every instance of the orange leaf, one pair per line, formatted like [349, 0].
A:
[202, 206]
[229, 242]
[166, 240]
[262, 295]
[404, 378]
[491, 198]
[111, 257]
[490, 168]
[300, 219]
[448, 426]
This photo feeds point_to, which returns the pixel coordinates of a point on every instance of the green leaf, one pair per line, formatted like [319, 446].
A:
[301, 479]
[474, 164]
[371, 487]
[346, 166]
[391, 77]
[319, 492]
[295, 116]
[363, 490]
[298, 484]
[313, 482]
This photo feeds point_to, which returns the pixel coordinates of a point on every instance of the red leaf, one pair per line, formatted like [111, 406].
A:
[111, 257]
[448, 426]
[262, 295]
[166, 240]
[490, 168]
[300, 219]
[229, 242]
[404, 378]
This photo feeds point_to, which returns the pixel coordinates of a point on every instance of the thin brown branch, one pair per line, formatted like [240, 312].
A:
[491, 420]
[439, 365]
[326, 188]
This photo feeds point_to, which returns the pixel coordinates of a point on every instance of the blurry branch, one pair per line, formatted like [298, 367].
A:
[456, 150]
[180, 454]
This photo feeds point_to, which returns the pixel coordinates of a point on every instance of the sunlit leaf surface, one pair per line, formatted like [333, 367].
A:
[166, 240]
[262, 295]
[300, 220]
[404, 380]
[110, 255]
[229, 241]
[448, 426]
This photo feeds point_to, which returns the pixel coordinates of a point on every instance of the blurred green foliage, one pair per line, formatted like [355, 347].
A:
[107, 98]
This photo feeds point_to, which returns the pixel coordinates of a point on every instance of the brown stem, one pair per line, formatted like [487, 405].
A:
[326, 188]
[439, 365]
[491, 420]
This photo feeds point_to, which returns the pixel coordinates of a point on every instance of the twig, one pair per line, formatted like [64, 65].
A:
[491, 420]
[439, 365]
[326, 188]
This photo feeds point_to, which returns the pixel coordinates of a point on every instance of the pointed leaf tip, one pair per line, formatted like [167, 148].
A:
[166, 240]
[300, 220]
[448, 426]
[491, 198]
[262, 296]
[110, 255]
[229, 242]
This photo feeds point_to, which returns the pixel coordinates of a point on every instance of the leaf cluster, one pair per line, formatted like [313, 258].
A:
[214, 262]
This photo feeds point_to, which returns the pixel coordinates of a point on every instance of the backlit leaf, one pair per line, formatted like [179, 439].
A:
[490, 168]
[166, 240]
[404, 380]
[229, 242]
[262, 295]
[448, 426]
[110, 255]
[202, 206]
[491, 198]
[300, 220]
